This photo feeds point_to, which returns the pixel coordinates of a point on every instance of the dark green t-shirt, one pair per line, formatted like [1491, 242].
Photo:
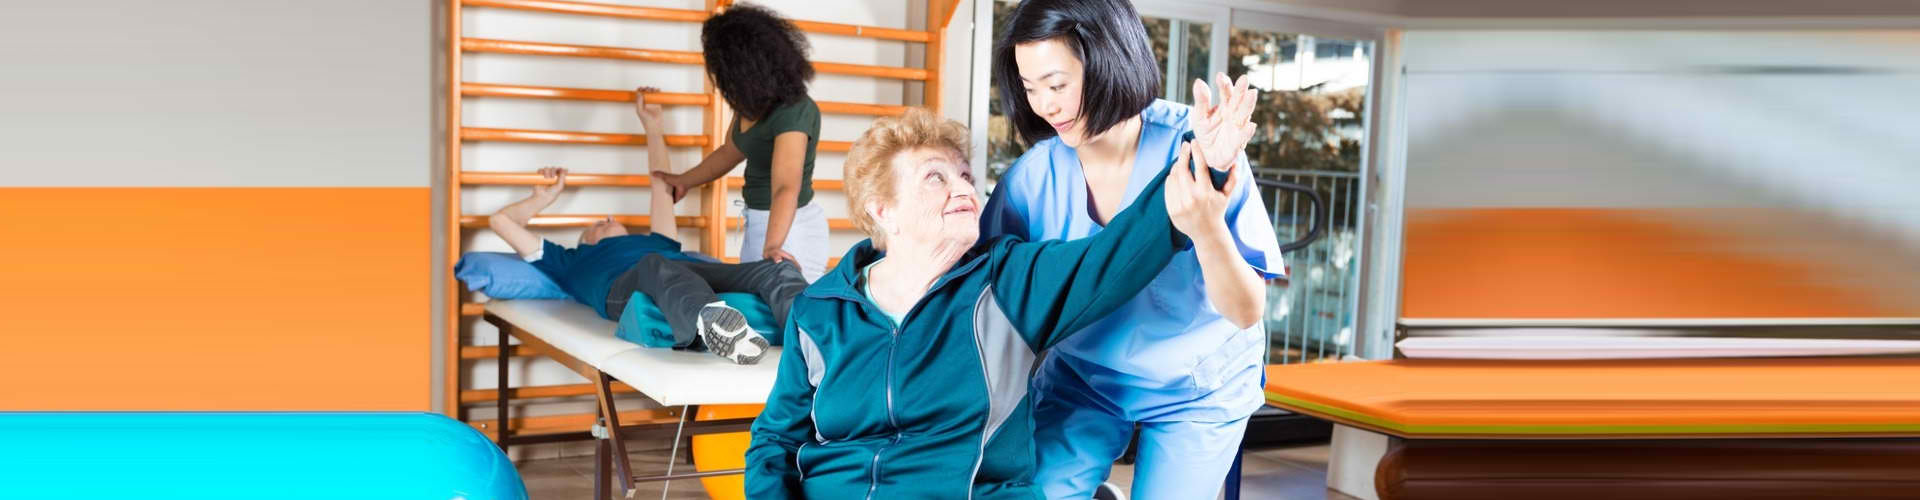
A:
[757, 144]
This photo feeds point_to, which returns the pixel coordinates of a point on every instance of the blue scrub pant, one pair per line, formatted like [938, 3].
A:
[1077, 441]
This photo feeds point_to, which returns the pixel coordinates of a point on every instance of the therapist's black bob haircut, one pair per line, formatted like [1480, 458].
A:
[1122, 78]
[757, 59]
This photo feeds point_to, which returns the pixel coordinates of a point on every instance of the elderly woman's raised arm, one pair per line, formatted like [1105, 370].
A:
[1050, 289]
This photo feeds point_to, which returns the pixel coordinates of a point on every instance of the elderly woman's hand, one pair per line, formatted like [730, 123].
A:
[1195, 207]
[1221, 129]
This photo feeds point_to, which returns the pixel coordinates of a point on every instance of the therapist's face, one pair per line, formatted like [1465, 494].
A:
[934, 202]
[1052, 74]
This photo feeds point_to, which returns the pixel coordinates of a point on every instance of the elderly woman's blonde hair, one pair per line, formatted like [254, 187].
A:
[869, 169]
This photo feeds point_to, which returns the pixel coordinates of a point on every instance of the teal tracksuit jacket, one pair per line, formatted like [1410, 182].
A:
[937, 407]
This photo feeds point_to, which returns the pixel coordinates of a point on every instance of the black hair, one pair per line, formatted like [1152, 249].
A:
[757, 59]
[1121, 80]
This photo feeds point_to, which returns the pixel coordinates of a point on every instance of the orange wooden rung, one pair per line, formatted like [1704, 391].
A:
[480, 221]
[570, 137]
[533, 179]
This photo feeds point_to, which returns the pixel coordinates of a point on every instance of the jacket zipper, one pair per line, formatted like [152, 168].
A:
[873, 471]
[893, 334]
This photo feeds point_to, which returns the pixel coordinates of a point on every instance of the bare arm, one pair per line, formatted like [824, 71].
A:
[1232, 288]
[511, 222]
[1221, 132]
[713, 167]
[660, 209]
[660, 215]
[789, 162]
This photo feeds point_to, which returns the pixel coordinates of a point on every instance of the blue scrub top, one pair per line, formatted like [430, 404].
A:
[1167, 355]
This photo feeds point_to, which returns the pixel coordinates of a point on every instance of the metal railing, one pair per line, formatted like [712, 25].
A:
[1310, 315]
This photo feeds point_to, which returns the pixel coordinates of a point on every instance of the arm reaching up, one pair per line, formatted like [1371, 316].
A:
[662, 195]
[511, 222]
[1052, 289]
[1221, 131]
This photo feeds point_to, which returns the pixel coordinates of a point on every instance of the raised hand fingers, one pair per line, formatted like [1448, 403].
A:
[1225, 85]
[1247, 99]
[640, 96]
[1202, 98]
[1206, 111]
[556, 178]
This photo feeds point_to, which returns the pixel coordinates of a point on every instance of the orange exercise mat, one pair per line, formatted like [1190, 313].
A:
[1779, 397]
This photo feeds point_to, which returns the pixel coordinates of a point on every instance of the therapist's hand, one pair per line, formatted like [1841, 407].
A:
[777, 255]
[677, 183]
[1222, 128]
[1195, 207]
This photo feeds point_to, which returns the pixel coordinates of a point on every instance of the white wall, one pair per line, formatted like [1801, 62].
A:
[1646, 8]
[207, 93]
[1808, 121]
[1805, 136]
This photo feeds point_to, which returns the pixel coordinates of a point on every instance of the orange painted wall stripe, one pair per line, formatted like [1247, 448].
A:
[1606, 263]
[1700, 393]
[215, 299]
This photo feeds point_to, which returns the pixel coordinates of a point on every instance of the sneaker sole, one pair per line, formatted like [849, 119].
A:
[724, 329]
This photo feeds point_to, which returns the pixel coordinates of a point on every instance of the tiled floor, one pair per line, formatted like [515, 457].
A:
[1278, 474]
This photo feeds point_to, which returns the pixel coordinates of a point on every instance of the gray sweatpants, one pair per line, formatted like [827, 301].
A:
[681, 288]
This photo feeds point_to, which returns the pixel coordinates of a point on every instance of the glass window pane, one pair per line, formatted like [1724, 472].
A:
[1333, 49]
[1179, 68]
[1312, 114]
[1158, 30]
[1199, 54]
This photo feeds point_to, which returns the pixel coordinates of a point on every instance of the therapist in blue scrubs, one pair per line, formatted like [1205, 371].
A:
[1183, 359]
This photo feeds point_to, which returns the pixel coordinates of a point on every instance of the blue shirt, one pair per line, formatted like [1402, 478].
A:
[1167, 354]
[587, 273]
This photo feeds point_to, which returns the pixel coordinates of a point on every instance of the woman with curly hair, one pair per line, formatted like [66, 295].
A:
[759, 62]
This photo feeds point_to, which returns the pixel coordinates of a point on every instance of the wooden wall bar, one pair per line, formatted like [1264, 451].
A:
[712, 222]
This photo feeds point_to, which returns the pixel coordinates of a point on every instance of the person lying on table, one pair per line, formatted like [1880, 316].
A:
[905, 371]
[609, 265]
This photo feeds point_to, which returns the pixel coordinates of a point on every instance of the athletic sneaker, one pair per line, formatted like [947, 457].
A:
[727, 335]
[1107, 491]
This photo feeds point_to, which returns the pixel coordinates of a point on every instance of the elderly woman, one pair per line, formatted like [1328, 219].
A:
[905, 372]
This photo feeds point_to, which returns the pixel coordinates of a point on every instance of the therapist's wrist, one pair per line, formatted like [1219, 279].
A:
[1213, 234]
